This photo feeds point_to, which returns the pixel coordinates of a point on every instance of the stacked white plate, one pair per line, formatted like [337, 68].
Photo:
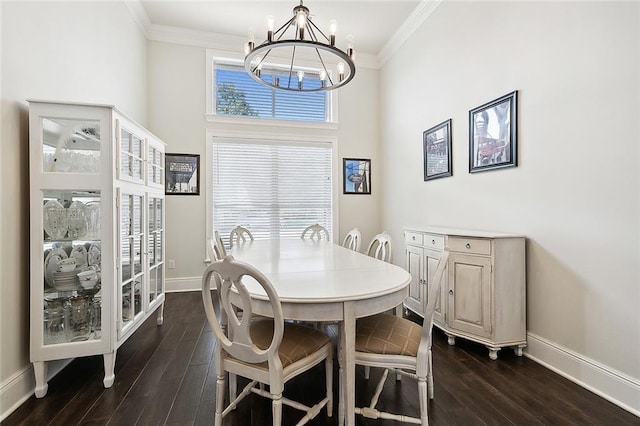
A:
[66, 281]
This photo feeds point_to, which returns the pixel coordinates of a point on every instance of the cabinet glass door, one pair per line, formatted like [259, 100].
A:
[155, 161]
[156, 255]
[70, 145]
[132, 238]
[72, 308]
[131, 156]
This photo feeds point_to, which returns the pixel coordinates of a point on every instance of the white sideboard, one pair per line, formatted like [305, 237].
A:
[483, 295]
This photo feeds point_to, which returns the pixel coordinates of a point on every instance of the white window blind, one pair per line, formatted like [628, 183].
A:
[275, 189]
[237, 94]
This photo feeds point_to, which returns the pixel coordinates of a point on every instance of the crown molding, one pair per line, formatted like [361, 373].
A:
[413, 22]
[139, 15]
[229, 43]
[223, 42]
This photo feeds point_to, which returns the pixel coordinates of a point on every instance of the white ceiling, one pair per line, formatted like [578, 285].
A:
[372, 23]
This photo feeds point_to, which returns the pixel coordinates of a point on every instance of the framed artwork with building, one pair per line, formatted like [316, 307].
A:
[437, 151]
[492, 134]
[182, 174]
[356, 176]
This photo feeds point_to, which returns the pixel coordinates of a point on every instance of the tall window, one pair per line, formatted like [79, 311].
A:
[275, 189]
[237, 94]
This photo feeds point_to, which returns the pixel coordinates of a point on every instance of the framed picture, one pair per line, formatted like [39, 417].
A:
[492, 134]
[437, 151]
[357, 176]
[182, 174]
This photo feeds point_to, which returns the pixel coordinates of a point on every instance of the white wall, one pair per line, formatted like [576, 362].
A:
[576, 191]
[79, 51]
[177, 107]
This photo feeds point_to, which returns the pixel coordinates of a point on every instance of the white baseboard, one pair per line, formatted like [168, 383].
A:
[177, 285]
[612, 385]
[18, 388]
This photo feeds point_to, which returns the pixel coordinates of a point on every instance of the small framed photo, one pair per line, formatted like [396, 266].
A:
[182, 174]
[437, 151]
[356, 175]
[492, 134]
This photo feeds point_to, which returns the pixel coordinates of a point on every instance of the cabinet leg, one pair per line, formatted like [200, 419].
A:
[451, 339]
[40, 371]
[160, 315]
[109, 367]
[493, 353]
[518, 349]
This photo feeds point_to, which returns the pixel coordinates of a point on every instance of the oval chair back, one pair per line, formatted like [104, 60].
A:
[315, 232]
[239, 235]
[352, 240]
[380, 247]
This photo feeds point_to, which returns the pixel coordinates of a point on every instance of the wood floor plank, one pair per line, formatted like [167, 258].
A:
[165, 375]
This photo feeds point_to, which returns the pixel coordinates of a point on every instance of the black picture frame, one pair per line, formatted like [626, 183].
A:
[436, 143]
[493, 134]
[356, 174]
[182, 174]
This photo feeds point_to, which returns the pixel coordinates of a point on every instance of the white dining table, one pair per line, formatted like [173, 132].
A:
[322, 281]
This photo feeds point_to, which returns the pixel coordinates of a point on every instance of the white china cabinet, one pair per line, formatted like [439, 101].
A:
[483, 295]
[97, 232]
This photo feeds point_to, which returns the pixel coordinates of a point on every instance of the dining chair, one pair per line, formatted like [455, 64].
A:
[380, 247]
[352, 240]
[214, 249]
[239, 235]
[265, 351]
[396, 343]
[315, 231]
[222, 252]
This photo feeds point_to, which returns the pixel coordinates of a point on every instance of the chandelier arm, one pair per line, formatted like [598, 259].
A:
[293, 55]
[287, 25]
[324, 66]
[312, 33]
[261, 61]
[319, 30]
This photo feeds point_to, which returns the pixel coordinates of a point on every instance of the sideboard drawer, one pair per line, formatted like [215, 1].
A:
[470, 245]
[413, 238]
[432, 241]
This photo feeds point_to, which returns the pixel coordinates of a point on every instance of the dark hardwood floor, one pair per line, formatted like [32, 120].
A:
[165, 376]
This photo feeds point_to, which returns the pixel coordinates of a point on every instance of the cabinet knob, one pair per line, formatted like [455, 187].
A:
[451, 292]
[468, 245]
[413, 238]
[433, 241]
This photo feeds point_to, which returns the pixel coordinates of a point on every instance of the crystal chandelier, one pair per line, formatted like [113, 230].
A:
[303, 42]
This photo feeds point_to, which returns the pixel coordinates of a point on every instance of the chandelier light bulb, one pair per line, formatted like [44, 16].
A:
[248, 48]
[323, 76]
[301, 22]
[350, 41]
[341, 70]
[300, 77]
[333, 28]
[270, 24]
[258, 70]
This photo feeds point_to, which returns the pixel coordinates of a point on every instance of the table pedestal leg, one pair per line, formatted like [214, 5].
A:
[347, 366]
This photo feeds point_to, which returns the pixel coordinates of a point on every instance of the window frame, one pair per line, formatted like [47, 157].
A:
[211, 116]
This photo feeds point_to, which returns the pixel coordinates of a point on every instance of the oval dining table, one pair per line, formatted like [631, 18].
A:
[322, 281]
